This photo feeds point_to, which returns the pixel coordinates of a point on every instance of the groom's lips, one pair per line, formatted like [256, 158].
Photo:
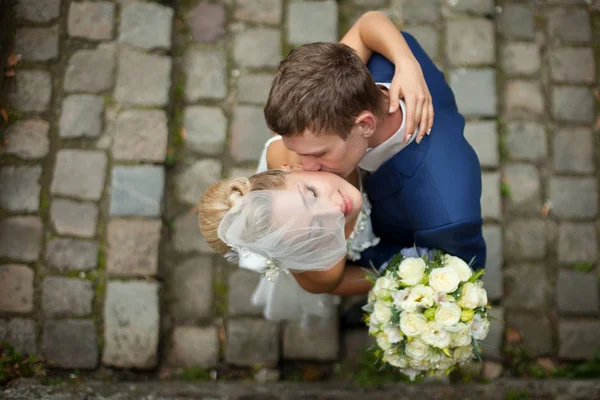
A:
[347, 204]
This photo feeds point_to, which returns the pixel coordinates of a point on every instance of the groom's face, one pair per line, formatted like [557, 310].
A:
[328, 151]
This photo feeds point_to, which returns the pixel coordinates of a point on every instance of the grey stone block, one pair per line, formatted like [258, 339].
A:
[577, 242]
[259, 11]
[525, 239]
[570, 25]
[31, 91]
[241, 287]
[20, 188]
[131, 324]
[191, 289]
[312, 21]
[133, 247]
[194, 347]
[521, 58]
[37, 44]
[573, 104]
[417, 11]
[207, 21]
[91, 20]
[81, 115]
[141, 135]
[428, 37]
[475, 91]
[74, 218]
[492, 344]
[254, 88]
[523, 98]
[137, 30]
[137, 191]
[516, 21]
[67, 297]
[483, 136]
[16, 289]
[490, 196]
[21, 238]
[493, 277]
[525, 187]
[574, 150]
[535, 330]
[206, 129]
[574, 197]
[196, 178]
[27, 139]
[354, 343]
[528, 287]
[79, 173]
[37, 10]
[21, 333]
[187, 236]
[72, 254]
[577, 292]
[91, 70]
[526, 141]
[71, 343]
[249, 132]
[473, 6]
[573, 65]
[317, 341]
[206, 74]
[470, 42]
[143, 79]
[578, 339]
[252, 342]
[257, 47]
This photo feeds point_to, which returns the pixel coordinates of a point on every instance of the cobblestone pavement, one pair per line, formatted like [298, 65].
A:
[127, 110]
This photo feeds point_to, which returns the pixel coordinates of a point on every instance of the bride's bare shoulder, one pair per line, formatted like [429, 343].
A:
[279, 155]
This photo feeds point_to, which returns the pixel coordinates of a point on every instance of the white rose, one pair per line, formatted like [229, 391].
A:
[479, 327]
[393, 358]
[444, 279]
[462, 268]
[462, 337]
[483, 299]
[469, 297]
[400, 295]
[419, 365]
[463, 354]
[411, 271]
[382, 311]
[383, 286]
[383, 342]
[417, 350]
[412, 324]
[435, 335]
[440, 362]
[420, 296]
[447, 314]
[394, 334]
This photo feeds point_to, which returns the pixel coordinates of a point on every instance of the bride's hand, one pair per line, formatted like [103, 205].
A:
[409, 83]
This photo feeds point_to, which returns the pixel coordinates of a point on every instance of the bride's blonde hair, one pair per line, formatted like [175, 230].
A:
[220, 197]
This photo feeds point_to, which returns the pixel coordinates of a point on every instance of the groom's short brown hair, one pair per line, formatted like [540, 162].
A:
[322, 87]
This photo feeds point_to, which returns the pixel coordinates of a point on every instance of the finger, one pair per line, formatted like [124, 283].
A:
[394, 97]
[431, 115]
[411, 104]
[417, 118]
[423, 127]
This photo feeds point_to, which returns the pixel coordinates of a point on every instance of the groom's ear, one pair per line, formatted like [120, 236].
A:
[367, 123]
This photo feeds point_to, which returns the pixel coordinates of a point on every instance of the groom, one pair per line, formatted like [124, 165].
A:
[327, 106]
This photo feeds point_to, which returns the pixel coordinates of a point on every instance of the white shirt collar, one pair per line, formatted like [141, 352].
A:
[376, 156]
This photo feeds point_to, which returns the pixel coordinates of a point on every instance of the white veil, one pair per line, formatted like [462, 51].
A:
[273, 232]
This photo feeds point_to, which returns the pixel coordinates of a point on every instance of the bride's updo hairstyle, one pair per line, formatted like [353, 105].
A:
[227, 194]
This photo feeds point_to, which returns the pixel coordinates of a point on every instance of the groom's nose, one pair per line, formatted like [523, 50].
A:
[310, 164]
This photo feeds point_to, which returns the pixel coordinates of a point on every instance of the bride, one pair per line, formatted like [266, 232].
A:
[301, 230]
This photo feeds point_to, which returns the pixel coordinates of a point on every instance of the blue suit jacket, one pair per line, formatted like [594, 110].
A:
[428, 194]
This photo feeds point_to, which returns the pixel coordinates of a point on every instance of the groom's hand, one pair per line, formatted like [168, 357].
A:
[409, 83]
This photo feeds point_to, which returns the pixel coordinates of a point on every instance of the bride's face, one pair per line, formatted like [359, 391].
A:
[327, 192]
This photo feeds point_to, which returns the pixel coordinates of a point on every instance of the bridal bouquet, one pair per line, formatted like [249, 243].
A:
[427, 313]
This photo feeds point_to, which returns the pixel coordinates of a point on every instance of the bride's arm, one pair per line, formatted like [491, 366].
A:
[343, 280]
[279, 156]
[354, 282]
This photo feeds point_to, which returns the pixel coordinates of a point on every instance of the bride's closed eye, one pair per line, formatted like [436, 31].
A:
[313, 190]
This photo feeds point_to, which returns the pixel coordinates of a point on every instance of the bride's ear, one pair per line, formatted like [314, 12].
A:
[367, 123]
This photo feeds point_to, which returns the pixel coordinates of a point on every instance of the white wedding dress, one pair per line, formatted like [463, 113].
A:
[283, 298]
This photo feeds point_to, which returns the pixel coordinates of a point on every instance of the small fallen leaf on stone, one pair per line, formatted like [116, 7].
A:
[13, 59]
[4, 114]
[546, 209]
[10, 73]
[513, 335]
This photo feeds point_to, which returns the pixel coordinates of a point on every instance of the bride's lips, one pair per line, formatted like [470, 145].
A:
[347, 204]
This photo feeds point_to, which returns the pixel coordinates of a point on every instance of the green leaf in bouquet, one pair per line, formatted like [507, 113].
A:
[477, 350]
[372, 274]
[395, 262]
[368, 307]
[430, 313]
[395, 316]
[478, 274]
